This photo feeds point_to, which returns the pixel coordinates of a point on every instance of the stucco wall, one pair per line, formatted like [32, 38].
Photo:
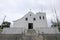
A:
[18, 30]
[37, 23]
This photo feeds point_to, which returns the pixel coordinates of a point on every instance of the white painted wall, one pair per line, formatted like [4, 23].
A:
[13, 30]
[37, 23]
[18, 30]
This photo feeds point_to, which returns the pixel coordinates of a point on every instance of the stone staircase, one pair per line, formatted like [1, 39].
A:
[32, 35]
[30, 32]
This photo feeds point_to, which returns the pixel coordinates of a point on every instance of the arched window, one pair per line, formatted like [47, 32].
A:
[34, 19]
[30, 14]
[43, 17]
[26, 19]
[39, 17]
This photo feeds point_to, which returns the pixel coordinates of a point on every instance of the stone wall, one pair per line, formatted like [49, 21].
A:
[10, 36]
[21, 37]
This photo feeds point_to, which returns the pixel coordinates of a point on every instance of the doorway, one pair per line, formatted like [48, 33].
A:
[30, 25]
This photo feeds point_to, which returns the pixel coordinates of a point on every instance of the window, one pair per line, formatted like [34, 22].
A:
[26, 19]
[30, 14]
[43, 17]
[40, 17]
[34, 19]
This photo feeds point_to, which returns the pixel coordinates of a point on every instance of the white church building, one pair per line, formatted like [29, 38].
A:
[37, 21]
[32, 21]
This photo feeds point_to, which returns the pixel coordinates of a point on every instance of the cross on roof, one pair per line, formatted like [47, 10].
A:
[30, 9]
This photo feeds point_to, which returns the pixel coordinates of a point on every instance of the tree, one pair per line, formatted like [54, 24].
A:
[5, 24]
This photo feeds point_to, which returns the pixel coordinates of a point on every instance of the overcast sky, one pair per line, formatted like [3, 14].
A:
[15, 9]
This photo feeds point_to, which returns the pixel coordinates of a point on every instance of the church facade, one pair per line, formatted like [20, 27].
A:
[37, 21]
[32, 21]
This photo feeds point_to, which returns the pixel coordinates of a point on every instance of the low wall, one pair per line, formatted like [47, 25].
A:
[20, 36]
[10, 36]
